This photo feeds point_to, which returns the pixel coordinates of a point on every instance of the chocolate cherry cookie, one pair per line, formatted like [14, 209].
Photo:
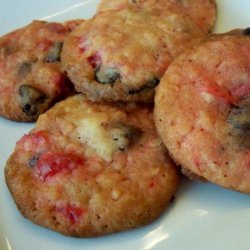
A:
[203, 12]
[90, 169]
[121, 55]
[31, 79]
[202, 110]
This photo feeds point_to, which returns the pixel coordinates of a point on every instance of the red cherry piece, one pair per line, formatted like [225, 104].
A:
[219, 92]
[71, 213]
[58, 79]
[81, 44]
[152, 183]
[57, 28]
[94, 60]
[241, 91]
[44, 45]
[51, 163]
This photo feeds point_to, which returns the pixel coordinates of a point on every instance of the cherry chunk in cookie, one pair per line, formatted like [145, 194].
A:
[31, 78]
[90, 169]
[122, 55]
[202, 110]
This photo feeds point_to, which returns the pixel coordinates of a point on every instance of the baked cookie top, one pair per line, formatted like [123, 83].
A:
[202, 110]
[31, 79]
[121, 55]
[203, 12]
[90, 169]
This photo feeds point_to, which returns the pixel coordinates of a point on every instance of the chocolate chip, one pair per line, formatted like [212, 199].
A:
[152, 84]
[239, 123]
[239, 118]
[24, 68]
[124, 135]
[246, 32]
[106, 75]
[31, 99]
[54, 53]
[33, 161]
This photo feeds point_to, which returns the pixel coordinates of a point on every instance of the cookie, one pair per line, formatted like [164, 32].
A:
[90, 169]
[31, 78]
[203, 12]
[202, 110]
[121, 55]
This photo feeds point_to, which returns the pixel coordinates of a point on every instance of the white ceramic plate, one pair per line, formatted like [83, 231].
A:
[203, 216]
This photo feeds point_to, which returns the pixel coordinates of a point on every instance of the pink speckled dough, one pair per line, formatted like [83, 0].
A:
[60, 182]
[121, 55]
[203, 12]
[202, 110]
[31, 79]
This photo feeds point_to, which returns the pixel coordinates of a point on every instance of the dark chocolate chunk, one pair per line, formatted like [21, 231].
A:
[152, 84]
[54, 53]
[33, 161]
[106, 75]
[246, 32]
[124, 135]
[31, 99]
[24, 68]
[239, 118]
[239, 122]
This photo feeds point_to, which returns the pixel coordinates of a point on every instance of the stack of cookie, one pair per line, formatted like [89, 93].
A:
[94, 163]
